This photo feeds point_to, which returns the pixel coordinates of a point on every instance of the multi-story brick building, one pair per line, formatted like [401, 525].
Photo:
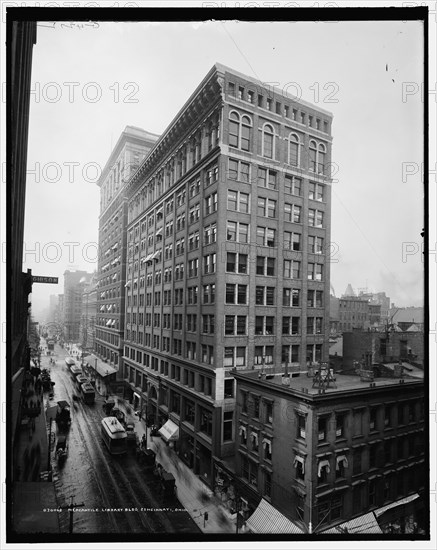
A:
[383, 347]
[74, 284]
[348, 456]
[87, 328]
[130, 149]
[228, 228]
[353, 313]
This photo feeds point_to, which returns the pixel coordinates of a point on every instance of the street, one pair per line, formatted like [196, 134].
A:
[111, 493]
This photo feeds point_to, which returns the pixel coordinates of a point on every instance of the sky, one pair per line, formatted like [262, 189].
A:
[90, 82]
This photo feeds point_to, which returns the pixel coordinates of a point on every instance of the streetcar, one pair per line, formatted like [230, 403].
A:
[88, 393]
[75, 370]
[114, 435]
[81, 379]
[69, 361]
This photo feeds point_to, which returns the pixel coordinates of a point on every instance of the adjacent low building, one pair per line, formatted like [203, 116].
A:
[330, 452]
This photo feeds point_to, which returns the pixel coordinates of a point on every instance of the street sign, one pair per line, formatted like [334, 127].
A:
[40, 279]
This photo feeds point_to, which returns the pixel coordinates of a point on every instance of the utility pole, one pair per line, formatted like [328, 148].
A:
[71, 507]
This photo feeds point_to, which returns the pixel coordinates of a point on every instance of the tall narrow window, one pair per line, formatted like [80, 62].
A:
[293, 150]
[268, 141]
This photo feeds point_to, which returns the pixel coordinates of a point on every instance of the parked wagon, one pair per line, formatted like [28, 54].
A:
[63, 416]
[61, 449]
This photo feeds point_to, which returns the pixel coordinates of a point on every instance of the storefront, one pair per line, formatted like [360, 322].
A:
[235, 495]
[402, 516]
[102, 375]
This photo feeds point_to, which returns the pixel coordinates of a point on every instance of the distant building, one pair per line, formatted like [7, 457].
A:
[384, 301]
[343, 457]
[59, 313]
[334, 315]
[406, 317]
[384, 347]
[88, 314]
[131, 148]
[374, 314]
[353, 314]
[74, 284]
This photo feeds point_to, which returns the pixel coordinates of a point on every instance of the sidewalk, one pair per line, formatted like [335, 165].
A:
[32, 492]
[192, 493]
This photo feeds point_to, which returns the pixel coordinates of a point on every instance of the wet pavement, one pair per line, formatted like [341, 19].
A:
[112, 493]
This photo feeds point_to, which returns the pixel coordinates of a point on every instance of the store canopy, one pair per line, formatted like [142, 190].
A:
[362, 524]
[170, 431]
[400, 502]
[102, 368]
[267, 519]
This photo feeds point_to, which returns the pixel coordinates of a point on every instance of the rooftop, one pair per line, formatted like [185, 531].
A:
[300, 381]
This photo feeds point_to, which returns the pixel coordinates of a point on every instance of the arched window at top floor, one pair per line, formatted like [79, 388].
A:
[268, 141]
[293, 149]
[240, 131]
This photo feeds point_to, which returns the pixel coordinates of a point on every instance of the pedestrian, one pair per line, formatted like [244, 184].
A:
[143, 441]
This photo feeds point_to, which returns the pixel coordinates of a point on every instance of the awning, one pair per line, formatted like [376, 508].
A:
[243, 431]
[113, 322]
[156, 254]
[109, 322]
[102, 368]
[267, 519]
[323, 464]
[362, 524]
[170, 431]
[114, 277]
[400, 502]
[343, 459]
[148, 258]
[159, 231]
[300, 459]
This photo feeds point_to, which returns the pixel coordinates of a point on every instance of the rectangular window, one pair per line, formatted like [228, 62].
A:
[228, 421]
[236, 263]
[238, 201]
[292, 213]
[265, 236]
[210, 234]
[293, 185]
[291, 269]
[315, 218]
[372, 419]
[210, 204]
[316, 191]
[237, 232]
[267, 178]
[340, 420]
[301, 422]
[209, 294]
[236, 294]
[315, 244]
[234, 356]
[265, 266]
[292, 241]
[266, 207]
